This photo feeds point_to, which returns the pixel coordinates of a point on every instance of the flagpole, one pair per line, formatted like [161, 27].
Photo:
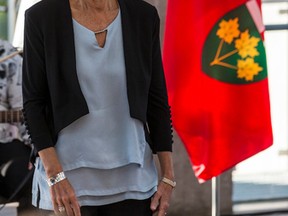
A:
[215, 187]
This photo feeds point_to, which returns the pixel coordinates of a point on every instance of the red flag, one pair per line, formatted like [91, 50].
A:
[216, 74]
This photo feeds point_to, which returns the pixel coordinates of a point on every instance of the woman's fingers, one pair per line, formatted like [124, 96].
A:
[64, 199]
[161, 199]
[75, 206]
[155, 202]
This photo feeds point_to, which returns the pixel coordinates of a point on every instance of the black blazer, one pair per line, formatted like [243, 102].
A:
[51, 91]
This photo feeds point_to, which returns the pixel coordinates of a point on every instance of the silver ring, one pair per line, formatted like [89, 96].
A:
[61, 209]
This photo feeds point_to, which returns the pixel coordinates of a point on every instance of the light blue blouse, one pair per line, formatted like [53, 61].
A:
[104, 154]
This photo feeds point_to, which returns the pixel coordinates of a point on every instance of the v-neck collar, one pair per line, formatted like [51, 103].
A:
[107, 28]
[128, 33]
[90, 36]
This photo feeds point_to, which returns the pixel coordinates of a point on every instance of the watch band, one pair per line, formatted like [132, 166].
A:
[55, 179]
[169, 182]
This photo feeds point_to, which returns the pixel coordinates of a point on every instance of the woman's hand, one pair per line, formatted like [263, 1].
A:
[62, 193]
[64, 199]
[161, 199]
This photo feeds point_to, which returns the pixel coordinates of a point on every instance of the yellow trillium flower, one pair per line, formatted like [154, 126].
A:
[246, 45]
[247, 69]
[228, 30]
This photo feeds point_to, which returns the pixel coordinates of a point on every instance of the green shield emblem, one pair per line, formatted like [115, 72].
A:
[233, 51]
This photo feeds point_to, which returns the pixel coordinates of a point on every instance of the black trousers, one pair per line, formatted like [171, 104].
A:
[123, 208]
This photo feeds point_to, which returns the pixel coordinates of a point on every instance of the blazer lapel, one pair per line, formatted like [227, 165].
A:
[68, 47]
[130, 47]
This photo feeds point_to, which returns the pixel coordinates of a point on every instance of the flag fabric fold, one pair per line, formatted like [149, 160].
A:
[216, 73]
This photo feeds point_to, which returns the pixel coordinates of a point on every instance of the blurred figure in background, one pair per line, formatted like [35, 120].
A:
[19, 28]
[14, 142]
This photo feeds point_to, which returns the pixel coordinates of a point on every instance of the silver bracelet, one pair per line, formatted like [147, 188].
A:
[169, 182]
[55, 179]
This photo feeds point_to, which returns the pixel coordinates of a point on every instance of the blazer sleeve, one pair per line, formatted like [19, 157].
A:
[158, 110]
[34, 85]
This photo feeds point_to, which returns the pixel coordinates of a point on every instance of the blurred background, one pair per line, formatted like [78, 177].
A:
[257, 186]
